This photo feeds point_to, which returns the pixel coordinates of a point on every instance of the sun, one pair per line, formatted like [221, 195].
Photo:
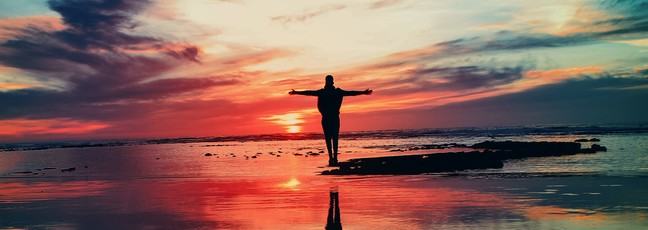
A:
[293, 129]
[290, 121]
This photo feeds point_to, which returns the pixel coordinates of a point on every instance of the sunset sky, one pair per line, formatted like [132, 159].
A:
[161, 68]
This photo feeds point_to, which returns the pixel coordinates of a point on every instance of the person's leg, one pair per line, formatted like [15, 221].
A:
[335, 129]
[327, 138]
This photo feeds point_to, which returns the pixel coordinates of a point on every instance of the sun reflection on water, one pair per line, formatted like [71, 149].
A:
[292, 184]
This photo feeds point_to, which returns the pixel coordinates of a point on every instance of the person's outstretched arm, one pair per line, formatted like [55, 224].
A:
[305, 92]
[356, 93]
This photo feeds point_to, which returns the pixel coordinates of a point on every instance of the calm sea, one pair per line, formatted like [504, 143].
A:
[273, 182]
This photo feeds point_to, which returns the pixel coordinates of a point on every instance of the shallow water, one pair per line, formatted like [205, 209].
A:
[174, 186]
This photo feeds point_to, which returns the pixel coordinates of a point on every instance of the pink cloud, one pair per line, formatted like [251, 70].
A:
[21, 127]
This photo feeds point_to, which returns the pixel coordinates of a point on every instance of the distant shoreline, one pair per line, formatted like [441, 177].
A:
[376, 134]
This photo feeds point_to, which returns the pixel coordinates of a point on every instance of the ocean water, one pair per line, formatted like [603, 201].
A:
[273, 182]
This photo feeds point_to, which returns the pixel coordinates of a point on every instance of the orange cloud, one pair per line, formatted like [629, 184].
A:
[256, 58]
[535, 78]
[20, 127]
[13, 86]
[10, 27]
[583, 22]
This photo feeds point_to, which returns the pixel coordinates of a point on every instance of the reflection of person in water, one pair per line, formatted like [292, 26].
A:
[333, 221]
[329, 101]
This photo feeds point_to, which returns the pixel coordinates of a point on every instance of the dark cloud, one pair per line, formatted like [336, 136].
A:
[98, 59]
[469, 77]
[592, 100]
[189, 53]
[460, 78]
[98, 23]
[630, 19]
[583, 101]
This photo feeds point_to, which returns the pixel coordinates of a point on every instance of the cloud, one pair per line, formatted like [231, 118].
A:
[383, 3]
[20, 127]
[627, 23]
[632, 19]
[188, 52]
[7, 86]
[575, 101]
[256, 58]
[426, 69]
[459, 78]
[97, 58]
[585, 101]
[107, 70]
[11, 27]
[307, 15]
[535, 78]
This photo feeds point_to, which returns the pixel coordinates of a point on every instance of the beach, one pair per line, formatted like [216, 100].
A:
[276, 183]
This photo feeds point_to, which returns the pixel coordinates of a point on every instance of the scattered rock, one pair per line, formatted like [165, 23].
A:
[587, 140]
[416, 164]
[598, 148]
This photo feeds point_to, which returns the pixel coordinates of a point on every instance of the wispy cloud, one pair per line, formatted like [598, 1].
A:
[308, 14]
[383, 3]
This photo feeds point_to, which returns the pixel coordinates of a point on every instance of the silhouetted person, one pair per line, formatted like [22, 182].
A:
[333, 221]
[329, 101]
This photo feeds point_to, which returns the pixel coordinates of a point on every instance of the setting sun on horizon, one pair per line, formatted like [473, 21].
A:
[291, 122]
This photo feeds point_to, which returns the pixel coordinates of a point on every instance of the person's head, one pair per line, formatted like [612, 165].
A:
[329, 80]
